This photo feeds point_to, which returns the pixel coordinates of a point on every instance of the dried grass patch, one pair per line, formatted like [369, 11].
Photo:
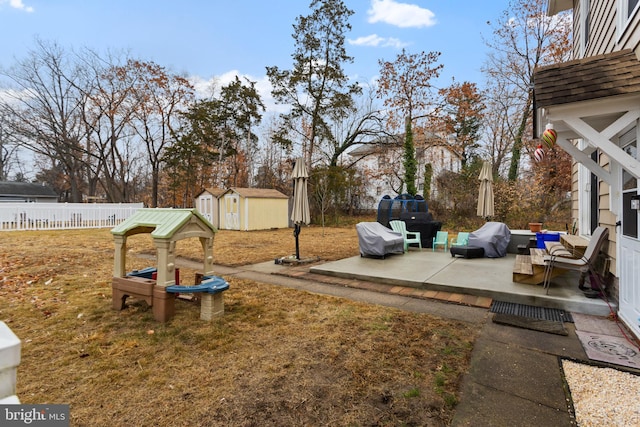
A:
[277, 357]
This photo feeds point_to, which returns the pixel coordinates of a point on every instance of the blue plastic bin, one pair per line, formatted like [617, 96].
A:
[546, 237]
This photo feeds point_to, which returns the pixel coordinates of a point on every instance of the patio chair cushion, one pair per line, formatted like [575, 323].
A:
[467, 251]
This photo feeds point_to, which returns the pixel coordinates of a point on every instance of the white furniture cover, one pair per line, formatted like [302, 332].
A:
[377, 240]
[493, 237]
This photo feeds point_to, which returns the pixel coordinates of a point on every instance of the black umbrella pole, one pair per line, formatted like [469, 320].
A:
[296, 233]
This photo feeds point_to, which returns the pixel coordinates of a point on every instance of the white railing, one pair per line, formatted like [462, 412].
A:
[62, 216]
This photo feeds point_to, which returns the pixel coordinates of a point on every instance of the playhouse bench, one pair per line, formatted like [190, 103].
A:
[209, 284]
[212, 301]
[145, 273]
[139, 283]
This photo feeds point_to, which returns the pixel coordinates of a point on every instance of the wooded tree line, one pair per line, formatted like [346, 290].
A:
[122, 130]
[129, 130]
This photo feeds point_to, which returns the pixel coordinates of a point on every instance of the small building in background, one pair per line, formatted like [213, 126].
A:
[207, 204]
[16, 192]
[244, 208]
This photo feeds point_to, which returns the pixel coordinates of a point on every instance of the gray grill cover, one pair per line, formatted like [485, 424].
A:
[377, 240]
[493, 237]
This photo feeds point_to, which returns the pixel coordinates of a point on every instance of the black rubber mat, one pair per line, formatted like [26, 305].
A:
[531, 311]
[549, 326]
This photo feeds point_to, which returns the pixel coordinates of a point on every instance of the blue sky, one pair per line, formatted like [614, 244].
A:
[214, 39]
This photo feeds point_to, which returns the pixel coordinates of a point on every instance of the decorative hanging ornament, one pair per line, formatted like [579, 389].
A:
[549, 136]
[538, 155]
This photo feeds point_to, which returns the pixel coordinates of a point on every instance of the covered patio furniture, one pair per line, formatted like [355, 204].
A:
[584, 264]
[441, 239]
[377, 240]
[410, 237]
[493, 237]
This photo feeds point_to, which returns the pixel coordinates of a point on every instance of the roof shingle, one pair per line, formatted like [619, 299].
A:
[601, 76]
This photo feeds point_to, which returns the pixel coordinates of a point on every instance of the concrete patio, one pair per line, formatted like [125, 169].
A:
[482, 277]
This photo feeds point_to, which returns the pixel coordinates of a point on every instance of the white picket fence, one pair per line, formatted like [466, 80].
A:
[62, 216]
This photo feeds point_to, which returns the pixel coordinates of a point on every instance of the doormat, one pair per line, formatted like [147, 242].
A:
[601, 395]
[531, 311]
[549, 326]
[609, 349]
[596, 324]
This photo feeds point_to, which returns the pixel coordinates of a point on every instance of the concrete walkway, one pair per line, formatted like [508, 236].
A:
[515, 376]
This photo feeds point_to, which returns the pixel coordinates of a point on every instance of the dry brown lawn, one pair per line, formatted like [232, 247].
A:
[278, 356]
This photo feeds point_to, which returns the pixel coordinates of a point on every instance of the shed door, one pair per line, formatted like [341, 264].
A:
[629, 238]
[206, 207]
[232, 217]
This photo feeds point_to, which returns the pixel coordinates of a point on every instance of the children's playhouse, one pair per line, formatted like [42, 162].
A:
[157, 286]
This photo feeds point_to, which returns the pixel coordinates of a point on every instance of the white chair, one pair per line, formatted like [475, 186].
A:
[401, 227]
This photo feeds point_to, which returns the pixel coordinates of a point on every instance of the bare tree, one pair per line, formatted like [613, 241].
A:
[497, 129]
[524, 38]
[46, 106]
[8, 149]
[108, 114]
[159, 97]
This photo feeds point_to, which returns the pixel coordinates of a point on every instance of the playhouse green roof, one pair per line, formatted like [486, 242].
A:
[161, 223]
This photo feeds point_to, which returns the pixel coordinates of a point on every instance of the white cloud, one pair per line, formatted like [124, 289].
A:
[17, 4]
[377, 41]
[402, 15]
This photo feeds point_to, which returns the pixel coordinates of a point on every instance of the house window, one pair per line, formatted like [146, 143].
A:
[631, 7]
[584, 18]
[626, 10]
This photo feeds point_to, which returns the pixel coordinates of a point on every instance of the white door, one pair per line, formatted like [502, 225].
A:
[206, 207]
[232, 209]
[629, 245]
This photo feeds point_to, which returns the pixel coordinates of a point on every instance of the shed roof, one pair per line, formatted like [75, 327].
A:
[600, 76]
[161, 223]
[215, 192]
[258, 193]
[25, 189]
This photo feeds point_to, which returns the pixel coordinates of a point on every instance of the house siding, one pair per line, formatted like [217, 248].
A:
[604, 38]
[603, 78]
[380, 182]
[629, 35]
[602, 18]
[604, 35]
[575, 202]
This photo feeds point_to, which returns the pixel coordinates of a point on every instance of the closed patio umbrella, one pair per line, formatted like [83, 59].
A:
[485, 195]
[300, 211]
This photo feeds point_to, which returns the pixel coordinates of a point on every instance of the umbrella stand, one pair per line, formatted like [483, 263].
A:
[296, 233]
